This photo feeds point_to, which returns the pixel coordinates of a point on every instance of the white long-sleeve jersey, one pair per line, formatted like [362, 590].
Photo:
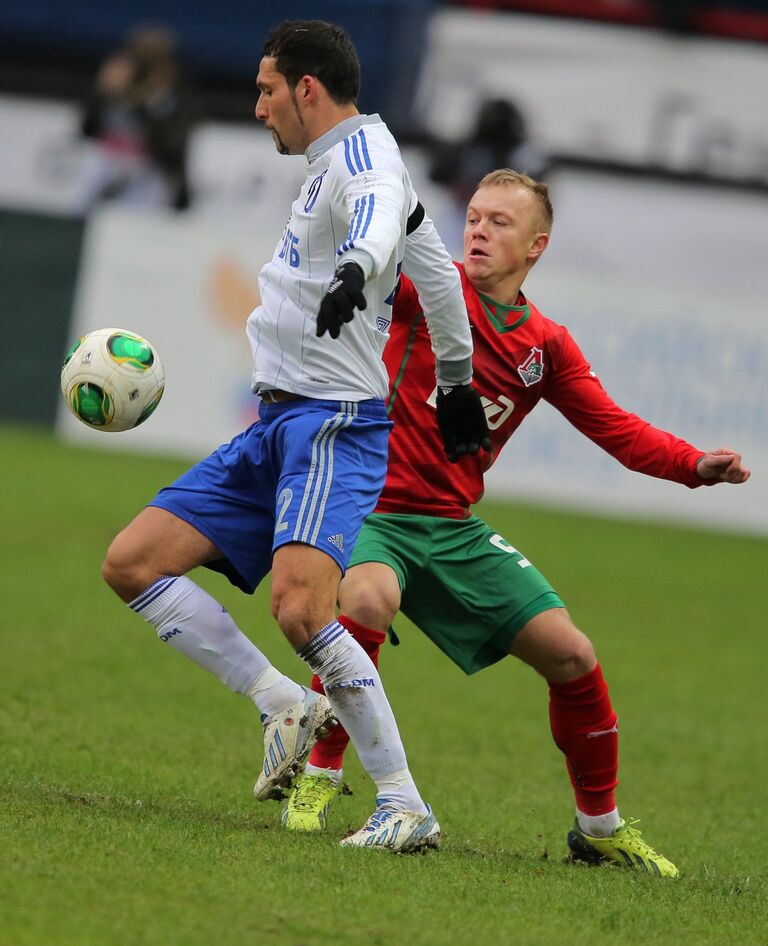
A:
[354, 205]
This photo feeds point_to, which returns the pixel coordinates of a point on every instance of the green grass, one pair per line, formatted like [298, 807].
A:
[126, 772]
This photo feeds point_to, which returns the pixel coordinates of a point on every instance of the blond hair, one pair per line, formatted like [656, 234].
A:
[506, 177]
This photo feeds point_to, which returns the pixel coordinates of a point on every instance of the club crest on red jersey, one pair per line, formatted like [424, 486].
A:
[532, 369]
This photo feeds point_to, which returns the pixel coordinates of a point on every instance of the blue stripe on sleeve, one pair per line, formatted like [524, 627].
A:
[354, 226]
[356, 153]
[368, 217]
[347, 157]
[363, 201]
[366, 156]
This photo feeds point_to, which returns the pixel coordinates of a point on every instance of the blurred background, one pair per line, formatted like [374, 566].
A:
[137, 190]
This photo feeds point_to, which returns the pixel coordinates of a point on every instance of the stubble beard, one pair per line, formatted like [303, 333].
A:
[282, 148]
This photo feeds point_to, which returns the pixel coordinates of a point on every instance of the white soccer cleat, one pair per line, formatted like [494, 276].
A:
[391, 829]
[288, 739]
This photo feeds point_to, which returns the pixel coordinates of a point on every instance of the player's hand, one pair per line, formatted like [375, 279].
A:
[461, 419]
[344, 295]
[722, 465]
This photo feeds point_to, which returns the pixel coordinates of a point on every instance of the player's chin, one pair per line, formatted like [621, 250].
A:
[477, 265]
[280, 144]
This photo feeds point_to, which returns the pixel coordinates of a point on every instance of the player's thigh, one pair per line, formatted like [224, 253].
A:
[552, 644]
[476, 593]
[155, 543]
[389, 551]
[229, 497]
[159, 535]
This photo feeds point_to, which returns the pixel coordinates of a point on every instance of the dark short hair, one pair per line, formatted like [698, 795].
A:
[319, 49]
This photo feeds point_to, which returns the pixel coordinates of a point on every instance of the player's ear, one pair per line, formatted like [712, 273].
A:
[307, 89]
[538, 245]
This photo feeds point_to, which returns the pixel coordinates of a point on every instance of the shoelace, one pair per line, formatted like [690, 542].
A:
[632, 831]
[636, 838]
[309, 795]
[378, 819]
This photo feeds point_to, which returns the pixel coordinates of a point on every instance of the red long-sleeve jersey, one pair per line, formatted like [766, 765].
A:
[519, 357]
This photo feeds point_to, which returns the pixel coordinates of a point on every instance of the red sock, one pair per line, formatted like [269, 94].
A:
[585, 729]
[328, 753]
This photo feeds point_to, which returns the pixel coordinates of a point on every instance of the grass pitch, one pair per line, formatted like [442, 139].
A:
[127, 815]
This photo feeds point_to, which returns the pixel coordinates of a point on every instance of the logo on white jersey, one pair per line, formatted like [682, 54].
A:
[382, 324]
[314, 190]
[532, 369]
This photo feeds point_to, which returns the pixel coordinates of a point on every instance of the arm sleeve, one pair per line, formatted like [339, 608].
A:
[372, 201]
[580, 397]
[429, 266]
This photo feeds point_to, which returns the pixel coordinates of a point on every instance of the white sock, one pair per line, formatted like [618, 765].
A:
[354, 688]
[390, 787]
[599, 826]
[273, 692]
[192, 622]
[334, 775]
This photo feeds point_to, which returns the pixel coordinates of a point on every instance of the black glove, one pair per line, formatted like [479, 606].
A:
[344, 294]
[461, 419]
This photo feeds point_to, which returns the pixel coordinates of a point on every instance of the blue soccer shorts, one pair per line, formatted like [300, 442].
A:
[307, 471]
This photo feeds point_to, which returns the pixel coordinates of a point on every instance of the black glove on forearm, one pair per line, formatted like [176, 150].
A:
[344, 295]
[461, 419]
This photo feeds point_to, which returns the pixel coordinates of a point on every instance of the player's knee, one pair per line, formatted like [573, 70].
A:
[288, 610]
[577, 657]
[126, 574]
[555, 647]
[114, 574]
[372, 611]
[572, 657]
[368, 603]
[300, 610]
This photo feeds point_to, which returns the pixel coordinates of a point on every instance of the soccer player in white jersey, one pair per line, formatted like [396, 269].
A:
[291, 492]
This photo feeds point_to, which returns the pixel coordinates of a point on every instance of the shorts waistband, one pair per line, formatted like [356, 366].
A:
[275, 395]
[373, 407]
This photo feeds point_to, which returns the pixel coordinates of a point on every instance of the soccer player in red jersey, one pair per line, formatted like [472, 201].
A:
[475, 595]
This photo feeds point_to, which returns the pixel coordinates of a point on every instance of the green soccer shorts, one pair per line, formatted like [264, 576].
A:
[464, 585]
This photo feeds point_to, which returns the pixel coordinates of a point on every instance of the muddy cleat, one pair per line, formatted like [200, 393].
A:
[392, 830]
[625, 847]
[308, 804]
[288, 739]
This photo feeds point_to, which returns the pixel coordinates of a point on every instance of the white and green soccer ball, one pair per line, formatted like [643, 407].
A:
[112, 379]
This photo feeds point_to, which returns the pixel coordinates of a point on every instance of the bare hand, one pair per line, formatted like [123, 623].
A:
[723, 465]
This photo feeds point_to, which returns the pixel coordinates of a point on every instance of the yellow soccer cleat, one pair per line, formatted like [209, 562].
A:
[625, 847]
[308, 804]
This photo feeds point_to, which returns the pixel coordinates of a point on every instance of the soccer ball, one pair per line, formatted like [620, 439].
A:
[112, 379]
